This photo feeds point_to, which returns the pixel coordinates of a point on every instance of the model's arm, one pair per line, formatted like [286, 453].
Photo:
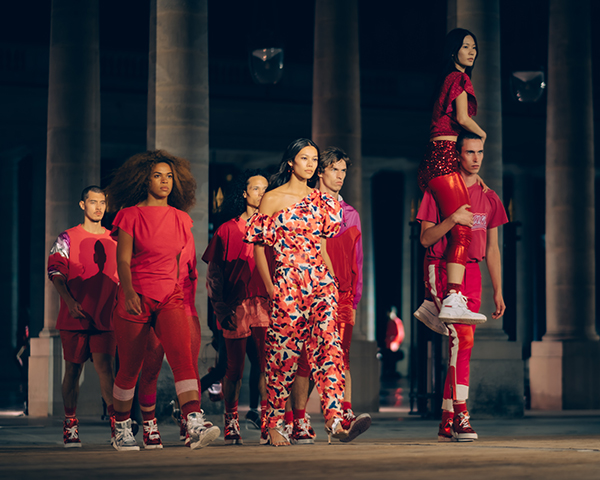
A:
[215, 284]
[492, 259]
[133, 305]
[267, 207]
[326, 257]
[431, 233]
[75, 309]
[462, 116]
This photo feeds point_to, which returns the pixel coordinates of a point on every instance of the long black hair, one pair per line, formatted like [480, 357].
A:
[235, 203]
[452, 45]
[284, 173]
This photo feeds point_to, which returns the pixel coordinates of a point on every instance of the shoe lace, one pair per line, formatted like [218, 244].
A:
[151, 428]
[72, 432]
[303, 426]
[349, 414]
[233, 425]
[462, 299]
[464, 420]
[124, 435]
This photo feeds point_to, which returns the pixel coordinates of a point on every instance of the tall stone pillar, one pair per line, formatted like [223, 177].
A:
[564, 365]
[336, 122]
[72, 163]
[178, 109]
[496, 367]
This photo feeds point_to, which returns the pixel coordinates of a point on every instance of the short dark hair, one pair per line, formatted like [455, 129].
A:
[92, 188]
[332, 155]
[235, 203]
[465, 135]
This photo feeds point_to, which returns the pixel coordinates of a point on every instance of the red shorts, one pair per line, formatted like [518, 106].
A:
[252, 312]
[149, 306]
[78, 345]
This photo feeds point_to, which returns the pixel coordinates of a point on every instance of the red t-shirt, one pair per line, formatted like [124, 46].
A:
[488, 212]
[88, 262]
[159, 235]
[241, 279]
[443, 120]
[188, 276]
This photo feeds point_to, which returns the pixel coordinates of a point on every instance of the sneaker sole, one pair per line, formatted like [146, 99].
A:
[444, 439]
[303, 441]
[263, 441]
[425, 321]
[464, 321]
[360, 426]
[153, 447]
[73, 445]
[208, 437]
[465, 437]
[135, 448]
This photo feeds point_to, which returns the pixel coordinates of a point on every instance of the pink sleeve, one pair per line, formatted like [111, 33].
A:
[354, 220]
[428, 211]
[498, 214]
[58, 261]
[125, 220]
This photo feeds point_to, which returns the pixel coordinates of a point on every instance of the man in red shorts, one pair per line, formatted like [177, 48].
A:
[484, 216]
[346, 255]
[82, 266]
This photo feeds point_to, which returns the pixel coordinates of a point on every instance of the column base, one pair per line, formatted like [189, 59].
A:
[564, 375]
[497, 379]
[45, 377]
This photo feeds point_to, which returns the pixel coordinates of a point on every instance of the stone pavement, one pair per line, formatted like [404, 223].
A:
[561, 445]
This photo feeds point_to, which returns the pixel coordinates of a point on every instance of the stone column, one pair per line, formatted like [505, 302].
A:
[72, 163]
[496, 365]
[336, 122]
[564, 365]
[178, 110]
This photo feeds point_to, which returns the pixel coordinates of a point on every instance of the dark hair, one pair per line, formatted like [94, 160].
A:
[465, 135]
[330, 156]
[452, 45]
[92, 188]
[235, 203]
[130, 184]
[284, 173]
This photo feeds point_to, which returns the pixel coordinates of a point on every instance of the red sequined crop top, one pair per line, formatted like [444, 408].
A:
[443, 120]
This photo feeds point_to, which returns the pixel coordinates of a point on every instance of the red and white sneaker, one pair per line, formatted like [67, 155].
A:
[151, 435]
[201, 431]
[232, 434]
[445, 433]
[462, 428]
[354, 425]
[301, 432]
[71, 433]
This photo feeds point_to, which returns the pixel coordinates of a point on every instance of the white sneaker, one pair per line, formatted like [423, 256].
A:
[455, 310]
[201, 431]
[124, 439]
[428, 314]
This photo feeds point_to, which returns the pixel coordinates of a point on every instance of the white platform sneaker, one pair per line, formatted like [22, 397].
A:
[428, 314]
[455, 310]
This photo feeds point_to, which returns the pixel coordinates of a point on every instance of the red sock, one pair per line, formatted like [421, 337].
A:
[288, 417]
[190, 407]
[70, 412]
[122, 416]
[231, 407]
[111, 410]
[148, 415]
[460, 408]
[453, 286]
[299, 413]
[447, 415]
[346, 405]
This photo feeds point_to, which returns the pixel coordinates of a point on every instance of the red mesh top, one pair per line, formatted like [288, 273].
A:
[443, 120]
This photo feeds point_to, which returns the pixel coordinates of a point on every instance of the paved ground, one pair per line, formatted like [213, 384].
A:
[548, 446]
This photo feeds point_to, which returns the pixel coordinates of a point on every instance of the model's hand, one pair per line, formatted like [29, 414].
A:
[133, 305]
[482, 184]
[75, 309]
[227, 323]
[500, 306]
[462, 216]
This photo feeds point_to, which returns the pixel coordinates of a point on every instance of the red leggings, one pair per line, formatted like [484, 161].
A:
[172, 329]
[236, 353]
[153, 361]
[450, 194]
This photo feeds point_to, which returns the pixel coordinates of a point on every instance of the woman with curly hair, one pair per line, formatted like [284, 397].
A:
[152, 192]
[238, 295]
[292, 219]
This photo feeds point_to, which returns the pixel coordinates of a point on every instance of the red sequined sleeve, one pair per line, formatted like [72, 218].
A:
[454, 85]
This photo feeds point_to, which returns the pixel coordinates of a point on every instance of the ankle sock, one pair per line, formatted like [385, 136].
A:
[299, 414]
[460, 408]
[190, 407]
[288, 417]
[346, 406]
[122, 416]
[148, 415]
[70, 412]
[446, 414]
[453, 286]
[111, 410]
